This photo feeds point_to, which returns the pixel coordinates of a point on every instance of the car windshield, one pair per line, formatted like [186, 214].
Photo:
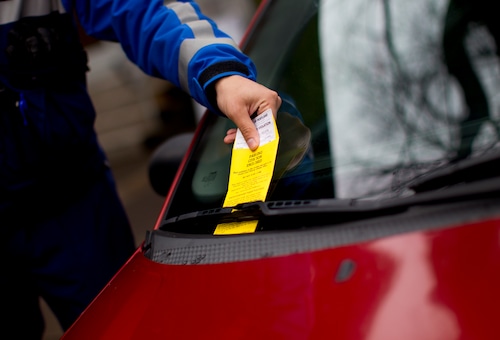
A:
[375, 94]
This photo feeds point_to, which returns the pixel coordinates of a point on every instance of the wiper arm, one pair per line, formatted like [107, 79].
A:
[300, 213]
[465, 170]
[291, 213]
[239, 213]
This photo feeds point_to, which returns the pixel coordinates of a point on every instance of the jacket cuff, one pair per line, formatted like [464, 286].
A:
[215, 72]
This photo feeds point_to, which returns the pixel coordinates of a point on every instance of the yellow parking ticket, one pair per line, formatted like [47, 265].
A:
[251, 172]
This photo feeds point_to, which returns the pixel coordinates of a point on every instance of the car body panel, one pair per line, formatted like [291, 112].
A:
[437, 284]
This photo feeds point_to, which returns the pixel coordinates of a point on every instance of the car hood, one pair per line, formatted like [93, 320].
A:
[434, 284]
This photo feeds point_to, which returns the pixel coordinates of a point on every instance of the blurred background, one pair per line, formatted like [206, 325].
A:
[136, 112]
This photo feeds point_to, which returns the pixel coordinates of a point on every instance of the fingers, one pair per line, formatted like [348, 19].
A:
[238, 98]
[248, 130]
[230, 136]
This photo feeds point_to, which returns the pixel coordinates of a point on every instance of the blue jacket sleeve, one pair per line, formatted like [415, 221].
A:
[172, 40]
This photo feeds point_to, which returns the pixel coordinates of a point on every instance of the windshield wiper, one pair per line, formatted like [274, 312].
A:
[463, 171]
[300, 213]
[290, 214]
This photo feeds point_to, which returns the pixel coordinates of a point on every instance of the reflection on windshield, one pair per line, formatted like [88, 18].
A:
[380, 93]
[410, 84]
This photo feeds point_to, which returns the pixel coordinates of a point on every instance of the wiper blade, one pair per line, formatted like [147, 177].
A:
[258, 209]
[293, 212]
[463, 171]
[299, 213]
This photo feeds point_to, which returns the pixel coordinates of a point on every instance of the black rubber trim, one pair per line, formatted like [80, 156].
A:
[216, 69]
[181, 249]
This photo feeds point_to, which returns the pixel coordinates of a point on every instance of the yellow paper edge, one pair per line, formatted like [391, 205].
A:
[249, 169]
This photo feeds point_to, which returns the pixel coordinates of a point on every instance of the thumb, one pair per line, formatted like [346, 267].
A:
[249, 131]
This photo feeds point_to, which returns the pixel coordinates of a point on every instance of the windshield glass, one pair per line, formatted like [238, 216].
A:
[375, 94]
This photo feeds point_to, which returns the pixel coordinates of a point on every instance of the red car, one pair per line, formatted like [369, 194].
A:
[382, 220]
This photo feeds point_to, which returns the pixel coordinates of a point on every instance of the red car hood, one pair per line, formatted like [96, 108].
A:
[439, 284]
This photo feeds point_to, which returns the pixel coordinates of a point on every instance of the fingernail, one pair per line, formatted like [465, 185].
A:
[252, 144]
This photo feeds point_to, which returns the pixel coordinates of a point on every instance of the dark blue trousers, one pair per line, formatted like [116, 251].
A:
[66, 259]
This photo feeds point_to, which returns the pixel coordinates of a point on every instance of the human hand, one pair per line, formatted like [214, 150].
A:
[238, 98]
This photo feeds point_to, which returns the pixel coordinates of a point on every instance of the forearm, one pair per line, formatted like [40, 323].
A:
[174, 41]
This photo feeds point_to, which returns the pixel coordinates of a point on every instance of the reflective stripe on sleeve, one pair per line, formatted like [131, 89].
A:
[189, 48]
[203, 33]
[13, 10]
